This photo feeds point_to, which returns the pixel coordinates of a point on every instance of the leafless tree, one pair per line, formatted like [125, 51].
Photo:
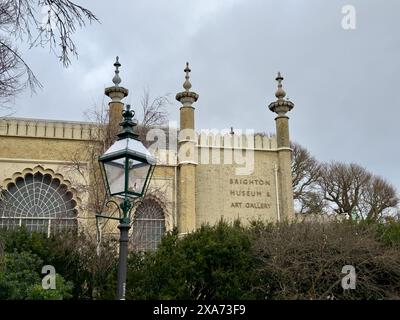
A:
[354, 191]
[10, 75]
[91, 183]
[311, 202]
[342, 185]
[306, 171]
[348, 189]
[49, 23]
[378, 197]
[153, 114]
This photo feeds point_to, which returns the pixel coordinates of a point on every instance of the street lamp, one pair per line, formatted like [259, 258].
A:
[127, 167]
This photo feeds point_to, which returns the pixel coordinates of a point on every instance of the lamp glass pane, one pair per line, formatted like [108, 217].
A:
[138, 172]
[115, 175]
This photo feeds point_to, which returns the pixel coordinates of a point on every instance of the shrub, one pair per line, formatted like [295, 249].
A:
[227, 261]
[62, 291]
[389, 233]
[305, 261]
[18, 272]
[74, 257]
[210, 263]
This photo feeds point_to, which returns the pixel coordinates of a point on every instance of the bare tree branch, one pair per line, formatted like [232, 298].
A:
[42, 23]
[153, 114]
[306, 171]
[355, 191]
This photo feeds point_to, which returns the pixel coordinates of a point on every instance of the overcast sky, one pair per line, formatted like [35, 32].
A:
[344, 83]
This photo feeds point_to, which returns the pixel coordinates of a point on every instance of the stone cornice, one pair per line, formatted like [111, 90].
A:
[39, 161]
[187, 97]
[281, 106]
[116, 93]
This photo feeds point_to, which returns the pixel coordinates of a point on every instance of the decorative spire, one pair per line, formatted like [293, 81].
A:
[116, 93]
[280, 106]
[187, 85]
[187, 97]
[280, 93]
[116, 79]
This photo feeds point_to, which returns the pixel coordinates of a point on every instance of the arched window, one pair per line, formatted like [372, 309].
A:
[148, 225]
[39, 202]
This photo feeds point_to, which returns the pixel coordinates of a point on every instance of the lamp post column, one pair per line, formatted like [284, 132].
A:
[123, 227]
[131, 168]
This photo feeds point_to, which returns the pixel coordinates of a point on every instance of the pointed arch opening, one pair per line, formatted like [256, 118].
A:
[148, 225]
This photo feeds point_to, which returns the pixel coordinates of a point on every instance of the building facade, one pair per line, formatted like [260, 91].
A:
[49, 174]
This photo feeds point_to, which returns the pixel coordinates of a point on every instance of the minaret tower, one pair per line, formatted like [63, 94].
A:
[116, 106]
[187, 158]
[285, 189]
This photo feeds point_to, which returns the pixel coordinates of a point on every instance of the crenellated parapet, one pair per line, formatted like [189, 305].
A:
[237, 141]
[49, 129]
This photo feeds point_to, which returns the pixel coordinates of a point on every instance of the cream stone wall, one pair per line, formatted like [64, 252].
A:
[163, 187]
[223, 193]
[214, 186]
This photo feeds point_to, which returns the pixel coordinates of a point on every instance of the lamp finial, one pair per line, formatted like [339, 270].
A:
[128, 124]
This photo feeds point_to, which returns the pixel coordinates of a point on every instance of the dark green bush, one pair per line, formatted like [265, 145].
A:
[211, 263]
[73, 256]
[18, 272]
[20, 278]
[389, 233]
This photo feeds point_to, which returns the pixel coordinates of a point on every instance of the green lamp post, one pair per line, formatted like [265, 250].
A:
[127, 167]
